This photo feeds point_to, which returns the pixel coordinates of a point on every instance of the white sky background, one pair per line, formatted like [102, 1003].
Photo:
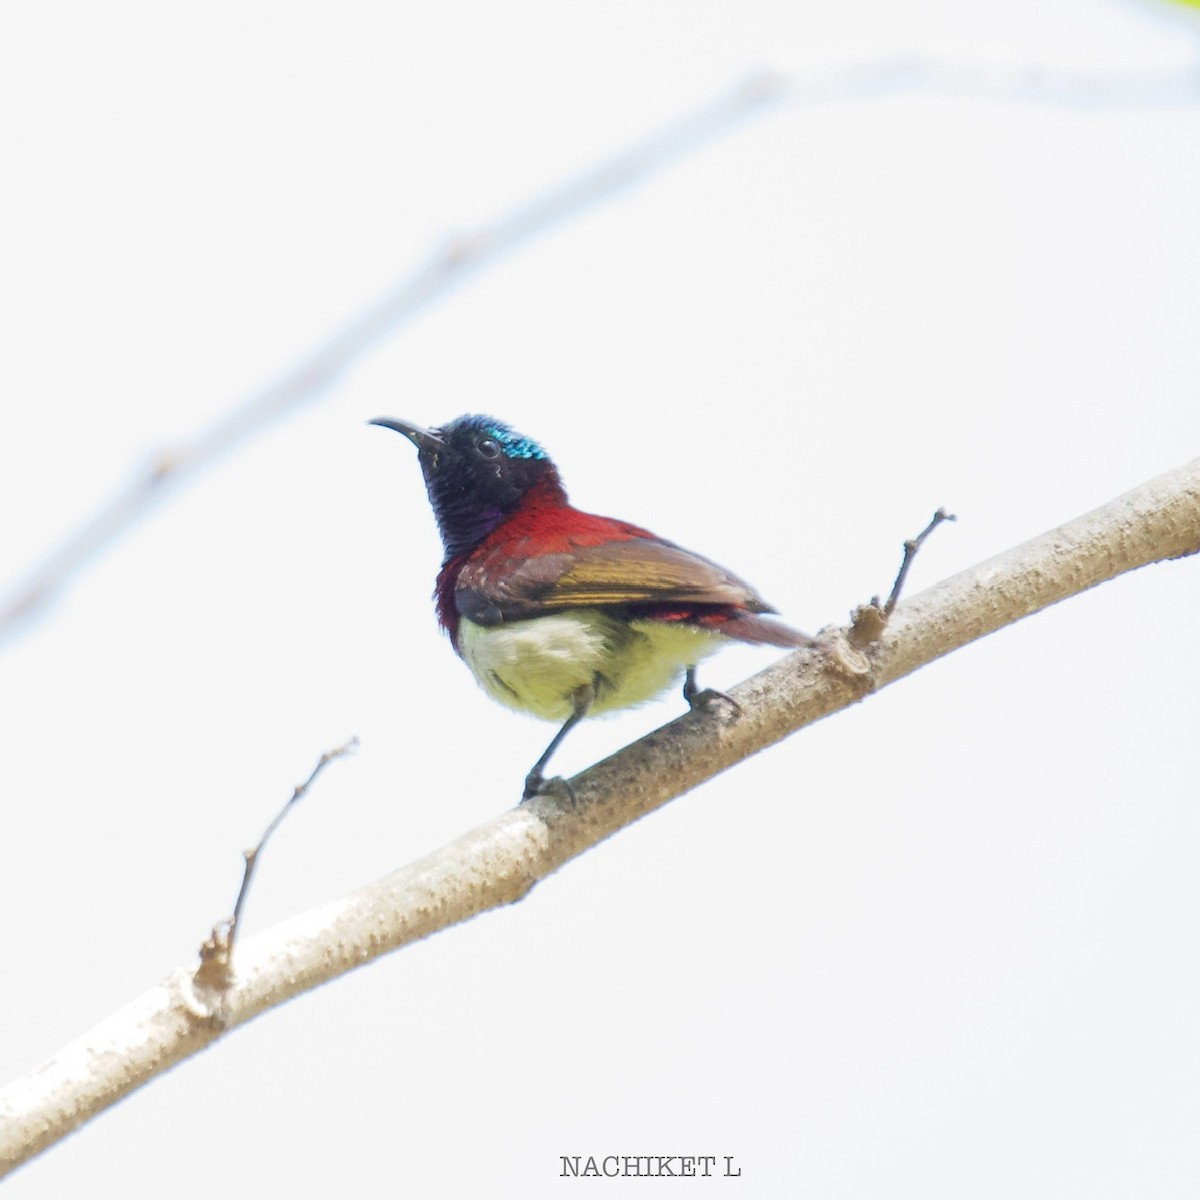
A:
[940, 945]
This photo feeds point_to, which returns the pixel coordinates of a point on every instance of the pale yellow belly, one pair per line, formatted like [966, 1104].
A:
[538, 666]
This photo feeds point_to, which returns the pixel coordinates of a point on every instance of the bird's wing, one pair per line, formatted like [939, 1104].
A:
[500, 586]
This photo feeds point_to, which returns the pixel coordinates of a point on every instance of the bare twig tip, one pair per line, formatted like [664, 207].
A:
[910, 552]
[216, 954]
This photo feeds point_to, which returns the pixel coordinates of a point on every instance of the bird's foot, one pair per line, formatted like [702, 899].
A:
[703, 697]
[536, 784]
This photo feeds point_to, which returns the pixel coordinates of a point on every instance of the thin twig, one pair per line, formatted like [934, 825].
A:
[252, 855]
[868, 621]
[910, 552]
[215, 972]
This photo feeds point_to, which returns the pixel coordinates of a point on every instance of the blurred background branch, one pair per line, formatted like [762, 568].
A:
[465, 254]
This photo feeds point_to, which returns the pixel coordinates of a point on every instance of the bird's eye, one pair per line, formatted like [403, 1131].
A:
[489, 448]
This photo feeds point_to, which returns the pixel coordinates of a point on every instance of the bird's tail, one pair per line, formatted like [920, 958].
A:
[750, 627]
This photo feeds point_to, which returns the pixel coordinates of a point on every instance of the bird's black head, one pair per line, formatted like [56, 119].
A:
[477, 470]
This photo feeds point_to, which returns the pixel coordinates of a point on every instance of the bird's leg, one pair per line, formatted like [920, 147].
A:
[702, 697]
[535, 781]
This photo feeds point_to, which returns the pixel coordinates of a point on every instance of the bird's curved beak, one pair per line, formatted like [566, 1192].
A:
[421, 438]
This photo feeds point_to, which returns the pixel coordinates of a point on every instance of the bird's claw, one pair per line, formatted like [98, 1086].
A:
[705, 697]
[536, 784]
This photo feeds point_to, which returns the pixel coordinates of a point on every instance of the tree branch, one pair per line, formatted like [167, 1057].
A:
[499, 862]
